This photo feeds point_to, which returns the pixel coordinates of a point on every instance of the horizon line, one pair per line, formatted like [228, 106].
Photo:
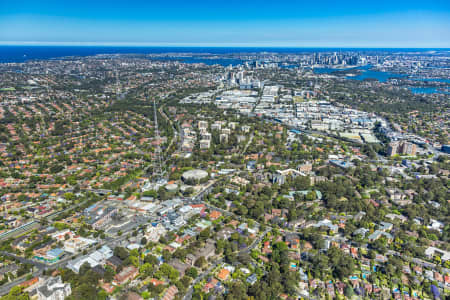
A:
[211, 45]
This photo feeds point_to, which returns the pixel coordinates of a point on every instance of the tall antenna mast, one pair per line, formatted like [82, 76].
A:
[157, 168]
[46, 75]
[117, 85]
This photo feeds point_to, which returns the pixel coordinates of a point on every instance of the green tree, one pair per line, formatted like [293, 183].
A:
[200, 262]
[16, 293]
[146, 269]
[151, 259]
[109, 274]
[102, 295]
[348, 292]
[192, 272]
[121, 253]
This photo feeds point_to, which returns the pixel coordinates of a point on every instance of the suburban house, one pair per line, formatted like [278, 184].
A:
[128, 273]
[53, 289]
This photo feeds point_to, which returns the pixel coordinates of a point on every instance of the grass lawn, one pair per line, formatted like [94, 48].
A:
[7, 89]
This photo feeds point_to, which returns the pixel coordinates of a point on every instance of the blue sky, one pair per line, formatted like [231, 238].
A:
[356, 23]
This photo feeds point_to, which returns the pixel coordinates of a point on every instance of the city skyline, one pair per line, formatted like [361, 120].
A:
[412, 24]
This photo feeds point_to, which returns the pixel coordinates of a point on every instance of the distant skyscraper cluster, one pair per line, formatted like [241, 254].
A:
[338, 59]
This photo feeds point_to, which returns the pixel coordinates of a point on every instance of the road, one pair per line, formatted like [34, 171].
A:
[418, 261]
[112, 242]
[248, 144]
[132, 223]
[248, 249]
[188, 295]
[34, 223]
[256, 241]
[53, 215]
[4, 289]
[39, 265]
[199, 278]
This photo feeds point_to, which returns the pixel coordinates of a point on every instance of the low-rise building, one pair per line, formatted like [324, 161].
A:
[207, 251]
[223, 274]
[205, 144]
[77, 244]
[98, 214]
[432, 251]
[128, 273]
[154, 232]
[98, 257]
[377, 234]
[53, 289]
[170, 293]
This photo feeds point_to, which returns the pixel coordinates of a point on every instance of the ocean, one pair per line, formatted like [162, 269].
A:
[24, 53]
[17, 54]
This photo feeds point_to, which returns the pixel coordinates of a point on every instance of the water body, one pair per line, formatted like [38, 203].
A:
[19, 54]
[431, 79]
[366, 73]
[24, 53]
[208, 61]
[325, 70]
[427, 90]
